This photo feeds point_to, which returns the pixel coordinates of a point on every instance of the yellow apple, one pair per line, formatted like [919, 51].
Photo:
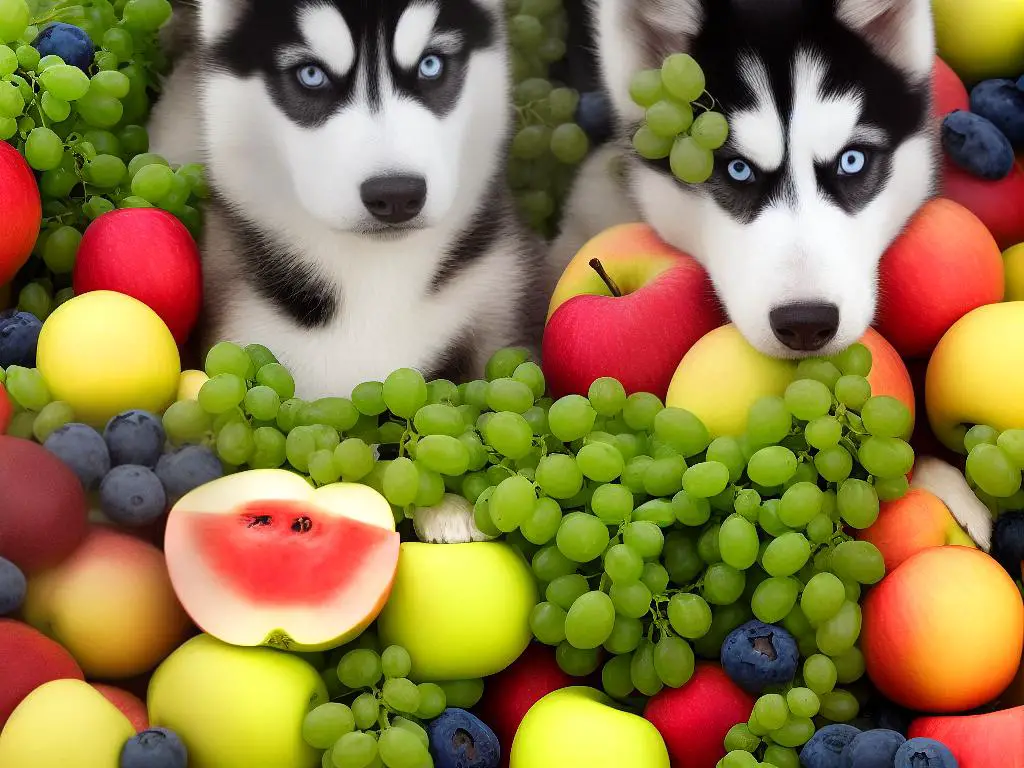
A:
[981, 39]
[976, 373]
[189, 384]
[62, 723]
[579, 727]
[461, 610]
[236, 707]
[1013, 267]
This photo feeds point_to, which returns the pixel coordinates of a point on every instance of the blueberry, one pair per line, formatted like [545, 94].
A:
[132, 495]
[976, 145]
[186, 469]
[155, 748]
[83, 449]
[757, 655]
[19, 336]
[69, 42]
[872, 749]
[1001, 102]
[460, 740]
[594, 115]
[12, 587]
[1008, 541]
[135, 437]
[924, 753]
[826, 746]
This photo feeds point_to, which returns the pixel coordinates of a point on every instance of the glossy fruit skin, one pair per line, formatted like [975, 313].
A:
[924, 753]
[22, 209]
[977, 146]
[753, 670]
[449, 746]
[872, 749]
[826, 746]
[69, 42]
[1002, 102]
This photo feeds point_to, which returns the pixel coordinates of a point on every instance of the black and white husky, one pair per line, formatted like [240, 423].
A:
[356, 151]
[831, 151]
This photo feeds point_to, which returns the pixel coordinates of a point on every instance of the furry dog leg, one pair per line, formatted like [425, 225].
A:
[950, 486]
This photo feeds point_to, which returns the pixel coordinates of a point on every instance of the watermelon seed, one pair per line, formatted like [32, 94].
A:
[302, 525]
[259, 520]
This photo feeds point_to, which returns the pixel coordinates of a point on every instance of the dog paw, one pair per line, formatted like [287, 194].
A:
[450, 522]
[949, 484]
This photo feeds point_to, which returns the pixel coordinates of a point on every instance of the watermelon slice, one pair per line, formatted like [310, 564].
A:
[262, 558]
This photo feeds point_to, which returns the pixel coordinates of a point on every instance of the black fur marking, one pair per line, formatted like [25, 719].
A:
[773, 32]
[457, 362]
[475, 241]
[268, 26]
[279, 276]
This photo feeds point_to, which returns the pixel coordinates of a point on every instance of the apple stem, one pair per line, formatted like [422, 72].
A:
[598, 267]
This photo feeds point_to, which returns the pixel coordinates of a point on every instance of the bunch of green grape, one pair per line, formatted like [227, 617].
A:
[548, 144]
[83, 130]
[376, 715]
[669, 130]
[994, 463]
[36, 414]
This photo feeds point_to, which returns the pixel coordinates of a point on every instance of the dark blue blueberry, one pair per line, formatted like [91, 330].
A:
[155, 748]
[135, 437]
[132, 495]
[924, 753]
[1001, 102]
[976, 145]
[69, 42]
[872, 749]
[594, 115]
[758, 655]
[12, 587]
[186, 469]
[83, 449]
[19, 337]
[460, 740]
[1008, 541]
[825, 748]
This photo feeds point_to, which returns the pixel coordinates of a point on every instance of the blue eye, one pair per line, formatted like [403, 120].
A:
[852, 162]
[431, 67]
[740, 170]
[312, 77]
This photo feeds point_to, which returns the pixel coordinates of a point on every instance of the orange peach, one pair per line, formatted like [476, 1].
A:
[110, 604]
[943, 633]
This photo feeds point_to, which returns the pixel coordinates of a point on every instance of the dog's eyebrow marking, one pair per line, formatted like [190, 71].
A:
[413, 33]
[758, 133]
[328, 37]
[824, 121]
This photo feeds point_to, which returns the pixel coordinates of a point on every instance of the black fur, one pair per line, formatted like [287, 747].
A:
[476, 239]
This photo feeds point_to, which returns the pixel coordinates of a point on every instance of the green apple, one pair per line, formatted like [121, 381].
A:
[237, 707]
[62, 723]
[461, 610]
[580, 727]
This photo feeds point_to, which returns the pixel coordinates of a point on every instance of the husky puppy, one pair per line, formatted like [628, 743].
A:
[831, 150]
[356, 152]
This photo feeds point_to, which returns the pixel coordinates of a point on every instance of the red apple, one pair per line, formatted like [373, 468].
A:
[666, 304]
[950, 93]
[28, 659]
[130, 705]
[999, 204]
[149, 255]
[991, 740]
[694, 719]
[20, 211]
[6, 409]
[509, 694]
[943, 265]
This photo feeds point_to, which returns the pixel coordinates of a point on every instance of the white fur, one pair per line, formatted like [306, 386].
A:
[328, 37]
[414, 30]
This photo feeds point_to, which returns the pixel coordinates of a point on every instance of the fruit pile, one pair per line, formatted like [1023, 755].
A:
[982, 141]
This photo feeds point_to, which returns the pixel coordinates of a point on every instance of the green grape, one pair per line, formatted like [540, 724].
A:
[854, 360]
[185, 421]
[327, 723]
[858, 503]
[322, 468]
[707, 544]
[400, 748]
[800, 504]
[111, 83]
[631, 600]
[673, 661]
[61, 249]
[27, 387]
[839, 706]
[401, 694]
[227, 357]
[738, 543]
[858, 561]
[65, 82]
[823, 596]
[404, 392]
[543, 523]
[431, 487]
[563, 103]
[747, 504]
[269, 448]
[823, 432]
[288, 414]
[625, 636]
[853, 391]
[569, 143]
[640, 411]
[414, 728]
[978, 434]
[547, 622]
[549, 563]
[689, 615]
[512, 502]
[262, 403]
[564, 590]
[710, 130]
[365, 710]
[772, 466]
[668, 118]
[146, 15]
[106, 171]
[600, 462]
[401, 482]
[796, 732]
[8, 61]
[885, 416]
[819, 674]
[432, 701]
[300, 443]
[808, 399]
[643, 671]
[646, 88]
[559, 476]
[607, 396]
[834, 463]
[439, 419]
[739, 737]
[643, 537]
[706, 479]
[773, 598]
[360, 668]
[353, 459]
[771, 711]
[368, 397]
[221, 393]
[727, 451]
[235, 444]
[723, 584]
[887, 457]
[571, 417]
[682, 77]
[335, 412]
[803, 702]
[353, 750]
[582, 537]
[677, 427]
[589, 621]
[993, 471]
[664, 477]
[463, 693]
[52, 417]
[689, 510]
[769, 421]
[507, 394]
[839, 633]
[43, 149]
[739, 759]
[153, 183]
[443, 454]
[1012, 443]
[690, 162]
[531, 142]
[817, 368]
[616, 678]
[612, 503]
[655, 577]
[786, 554]
[820, 529]
[623, 564]
[657, 511]
[509, 434]
[577, 662]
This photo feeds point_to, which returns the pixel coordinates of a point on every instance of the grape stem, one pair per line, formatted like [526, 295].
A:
[597, 266]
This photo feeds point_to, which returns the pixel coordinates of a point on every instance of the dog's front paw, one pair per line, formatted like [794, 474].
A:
[949, 484]
[450, 522]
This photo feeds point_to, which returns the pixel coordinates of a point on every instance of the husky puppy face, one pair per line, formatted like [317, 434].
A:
[830, 151]
[361, 115]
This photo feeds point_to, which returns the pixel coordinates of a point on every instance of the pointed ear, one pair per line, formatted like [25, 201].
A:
[902, 31]
[217, 17]
[631, 35]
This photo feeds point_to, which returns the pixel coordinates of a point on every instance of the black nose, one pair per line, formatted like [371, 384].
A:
[394, 199]
[805, 327]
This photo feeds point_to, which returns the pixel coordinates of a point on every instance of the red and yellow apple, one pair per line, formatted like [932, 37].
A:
[22, 212]
[917, 520]
[637, 332]
[964, 271]
[28, 658]
[128, 704]
[978, 741]
[110, 604]
[722, 376]
[999, 204]
[976, 373]
[950, 93]
[943, 633]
